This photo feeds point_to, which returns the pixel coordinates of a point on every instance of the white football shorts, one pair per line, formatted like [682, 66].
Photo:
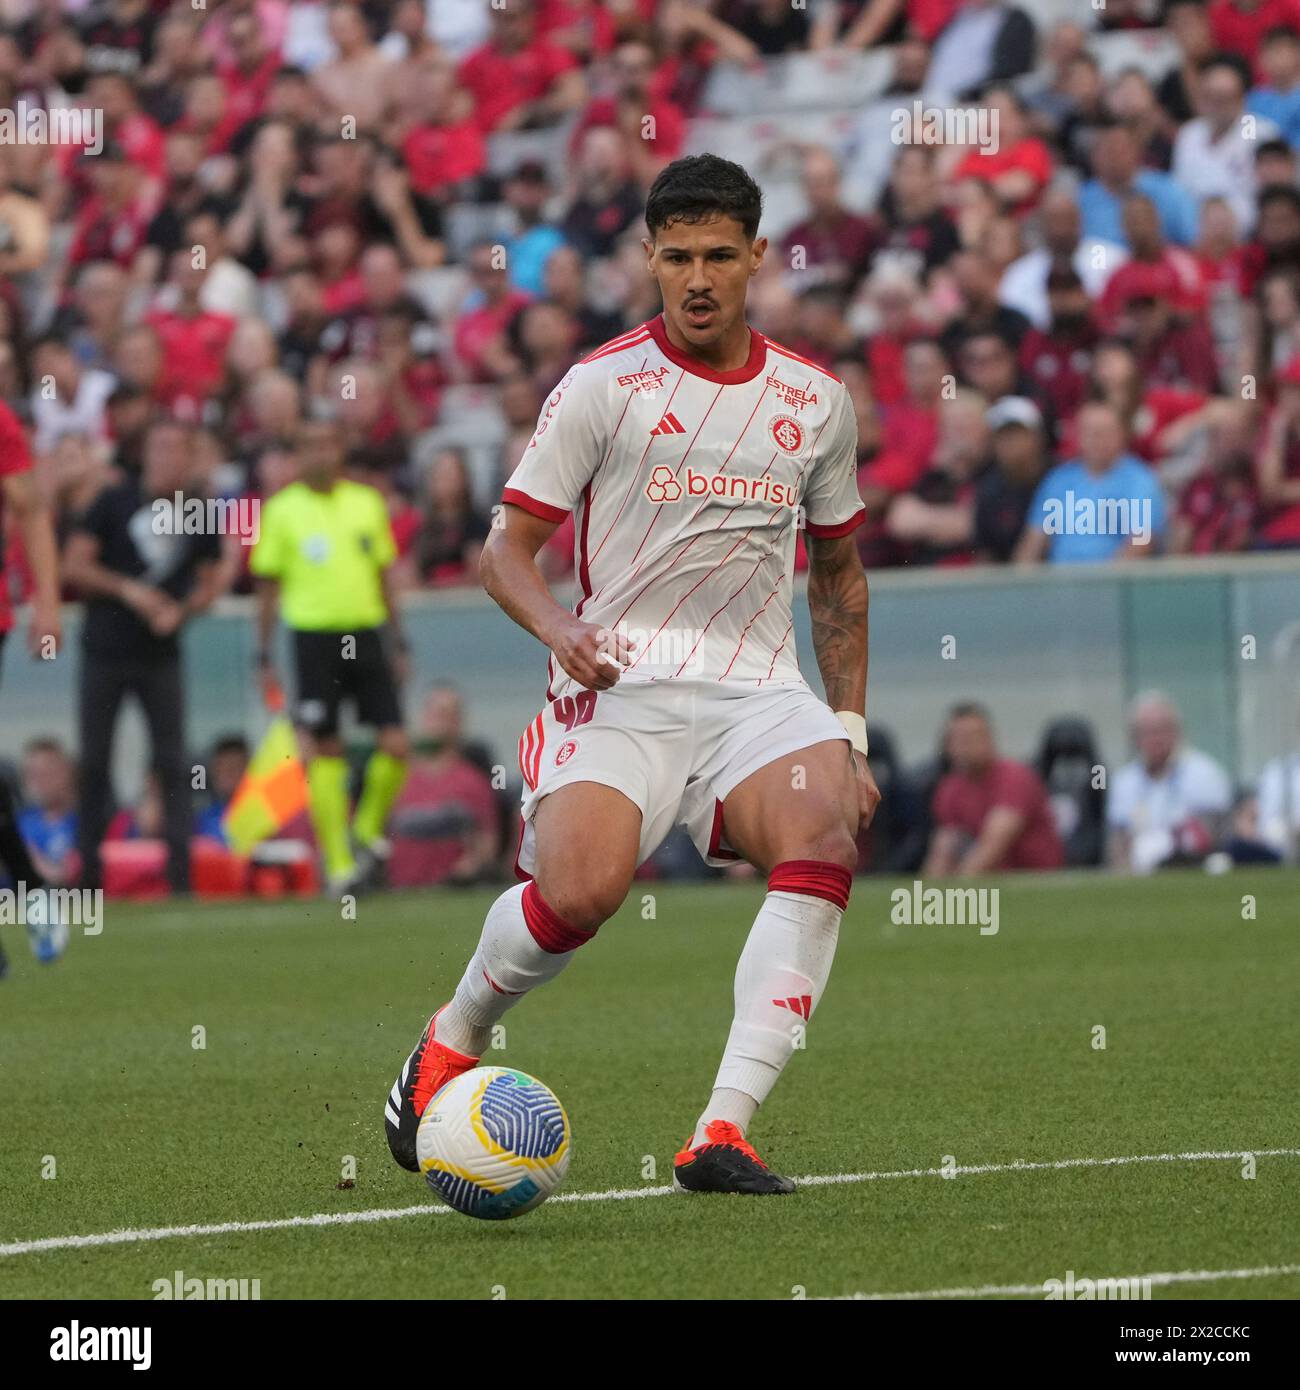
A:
[677, 749]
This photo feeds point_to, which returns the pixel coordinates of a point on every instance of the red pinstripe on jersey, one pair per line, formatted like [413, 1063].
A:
[631, 339]
[794, 357]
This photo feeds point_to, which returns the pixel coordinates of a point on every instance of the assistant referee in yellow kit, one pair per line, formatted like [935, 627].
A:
[324, 559]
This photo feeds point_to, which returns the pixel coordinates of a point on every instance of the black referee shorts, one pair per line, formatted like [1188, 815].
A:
[337, 666]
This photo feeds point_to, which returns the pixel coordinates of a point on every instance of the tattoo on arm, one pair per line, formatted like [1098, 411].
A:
[838, 603]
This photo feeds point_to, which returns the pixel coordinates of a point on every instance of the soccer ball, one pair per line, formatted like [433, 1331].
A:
[494, 1143]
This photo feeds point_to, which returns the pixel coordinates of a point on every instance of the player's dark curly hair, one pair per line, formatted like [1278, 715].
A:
[701, 186]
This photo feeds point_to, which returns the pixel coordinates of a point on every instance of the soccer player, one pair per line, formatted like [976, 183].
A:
[20, 495]
[324, 555]
[690, 451]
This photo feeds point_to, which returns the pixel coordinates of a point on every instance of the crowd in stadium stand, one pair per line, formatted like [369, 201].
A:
[415, 216]
[376, 236]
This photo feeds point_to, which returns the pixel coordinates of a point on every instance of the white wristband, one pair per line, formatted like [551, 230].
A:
[856, 726]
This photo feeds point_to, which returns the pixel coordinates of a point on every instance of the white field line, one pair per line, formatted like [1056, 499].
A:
[1184, 1276]
[349, 1218]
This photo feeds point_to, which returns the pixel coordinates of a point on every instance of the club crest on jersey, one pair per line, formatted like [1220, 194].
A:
[565, 751]
[643, 383]
[787, 433]
[793, 396]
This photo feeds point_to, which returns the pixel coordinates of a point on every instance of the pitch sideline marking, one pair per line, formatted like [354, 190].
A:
[348, 1218]
[1184, 1276]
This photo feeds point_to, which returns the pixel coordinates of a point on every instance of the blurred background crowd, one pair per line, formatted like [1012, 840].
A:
[418, 213]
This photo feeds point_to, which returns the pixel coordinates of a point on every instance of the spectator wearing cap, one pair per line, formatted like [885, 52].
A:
[1103, 505]
[1214, 155]
[606, 200]
[1024, 282]
[1004, 491]
[985, 41]
[1277, 96]
[519, 80]
[652, 122]
[989, 812]
[534, 239]
[831, 245]
[1057, 361]
[1171, 803]
[1171, 350]
[1117, 174]
[1279, 464]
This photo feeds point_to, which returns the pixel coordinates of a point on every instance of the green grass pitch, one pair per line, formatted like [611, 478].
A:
[931, 1042]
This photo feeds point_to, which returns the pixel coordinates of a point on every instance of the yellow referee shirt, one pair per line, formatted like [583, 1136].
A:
[328, 550]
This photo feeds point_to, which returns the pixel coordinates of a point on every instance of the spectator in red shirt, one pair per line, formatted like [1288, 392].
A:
[251, 70]
[445, 827]
[517, 79]
[910, 429]
[1218, 511]
[1155, 270]
[112, 223]
[1239, 26]
[832, 244]
[1020, 165]
[440, 142]
[479, 339]
[654, 125]
[990, 813]
[892, 294]
[193, 343]
[1278, 464]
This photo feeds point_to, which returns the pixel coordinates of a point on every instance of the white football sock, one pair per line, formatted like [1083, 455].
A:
[511, 960]
[779, 980]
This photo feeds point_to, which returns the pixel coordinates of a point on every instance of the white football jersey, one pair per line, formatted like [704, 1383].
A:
[687, 487]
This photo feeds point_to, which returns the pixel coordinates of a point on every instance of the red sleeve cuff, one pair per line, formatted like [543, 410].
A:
[836, 528]
[532, 505]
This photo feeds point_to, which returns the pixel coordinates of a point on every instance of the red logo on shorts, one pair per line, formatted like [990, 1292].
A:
[787, 434]
[565, 751]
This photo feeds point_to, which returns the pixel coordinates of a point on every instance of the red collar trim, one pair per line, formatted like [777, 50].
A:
[754, 364]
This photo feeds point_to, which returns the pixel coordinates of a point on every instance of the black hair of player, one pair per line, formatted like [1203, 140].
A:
[699, 187]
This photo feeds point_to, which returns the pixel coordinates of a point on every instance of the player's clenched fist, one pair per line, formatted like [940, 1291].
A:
[592, 655]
